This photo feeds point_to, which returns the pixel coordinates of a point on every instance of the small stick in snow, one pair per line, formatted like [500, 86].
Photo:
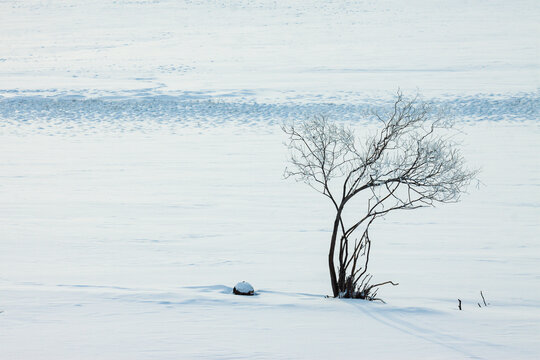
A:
[459, 304]
[483, 299]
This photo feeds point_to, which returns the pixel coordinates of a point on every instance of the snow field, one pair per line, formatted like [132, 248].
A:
[267, 50]
[141, 171]
[129, 245]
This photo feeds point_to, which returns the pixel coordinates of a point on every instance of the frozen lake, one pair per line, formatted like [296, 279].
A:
[141, 164]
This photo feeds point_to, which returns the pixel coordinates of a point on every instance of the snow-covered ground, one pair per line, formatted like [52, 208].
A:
[289, 50]
[141, 167]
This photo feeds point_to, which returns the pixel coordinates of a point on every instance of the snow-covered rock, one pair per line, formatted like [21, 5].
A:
[243, 288]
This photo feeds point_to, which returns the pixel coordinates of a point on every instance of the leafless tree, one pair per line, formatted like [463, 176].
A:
[411, 161]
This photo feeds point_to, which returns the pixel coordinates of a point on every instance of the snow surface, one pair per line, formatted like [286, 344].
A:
[141, 167]
[267, 50]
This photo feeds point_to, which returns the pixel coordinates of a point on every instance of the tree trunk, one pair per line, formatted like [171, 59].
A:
[332, 268]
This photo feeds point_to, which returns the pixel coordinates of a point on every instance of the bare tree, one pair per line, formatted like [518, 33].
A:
[411, 161]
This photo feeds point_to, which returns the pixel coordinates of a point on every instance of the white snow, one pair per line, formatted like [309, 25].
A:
[267, 50]
[141, 166]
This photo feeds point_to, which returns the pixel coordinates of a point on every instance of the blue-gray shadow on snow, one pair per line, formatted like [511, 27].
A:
[212, 288]
[390, 316]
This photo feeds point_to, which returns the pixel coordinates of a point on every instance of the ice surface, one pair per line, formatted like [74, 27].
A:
[141, 167]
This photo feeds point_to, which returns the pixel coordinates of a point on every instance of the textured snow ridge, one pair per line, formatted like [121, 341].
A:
[18, 113]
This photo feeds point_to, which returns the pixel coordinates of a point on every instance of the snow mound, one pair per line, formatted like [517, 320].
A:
[243, 288]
